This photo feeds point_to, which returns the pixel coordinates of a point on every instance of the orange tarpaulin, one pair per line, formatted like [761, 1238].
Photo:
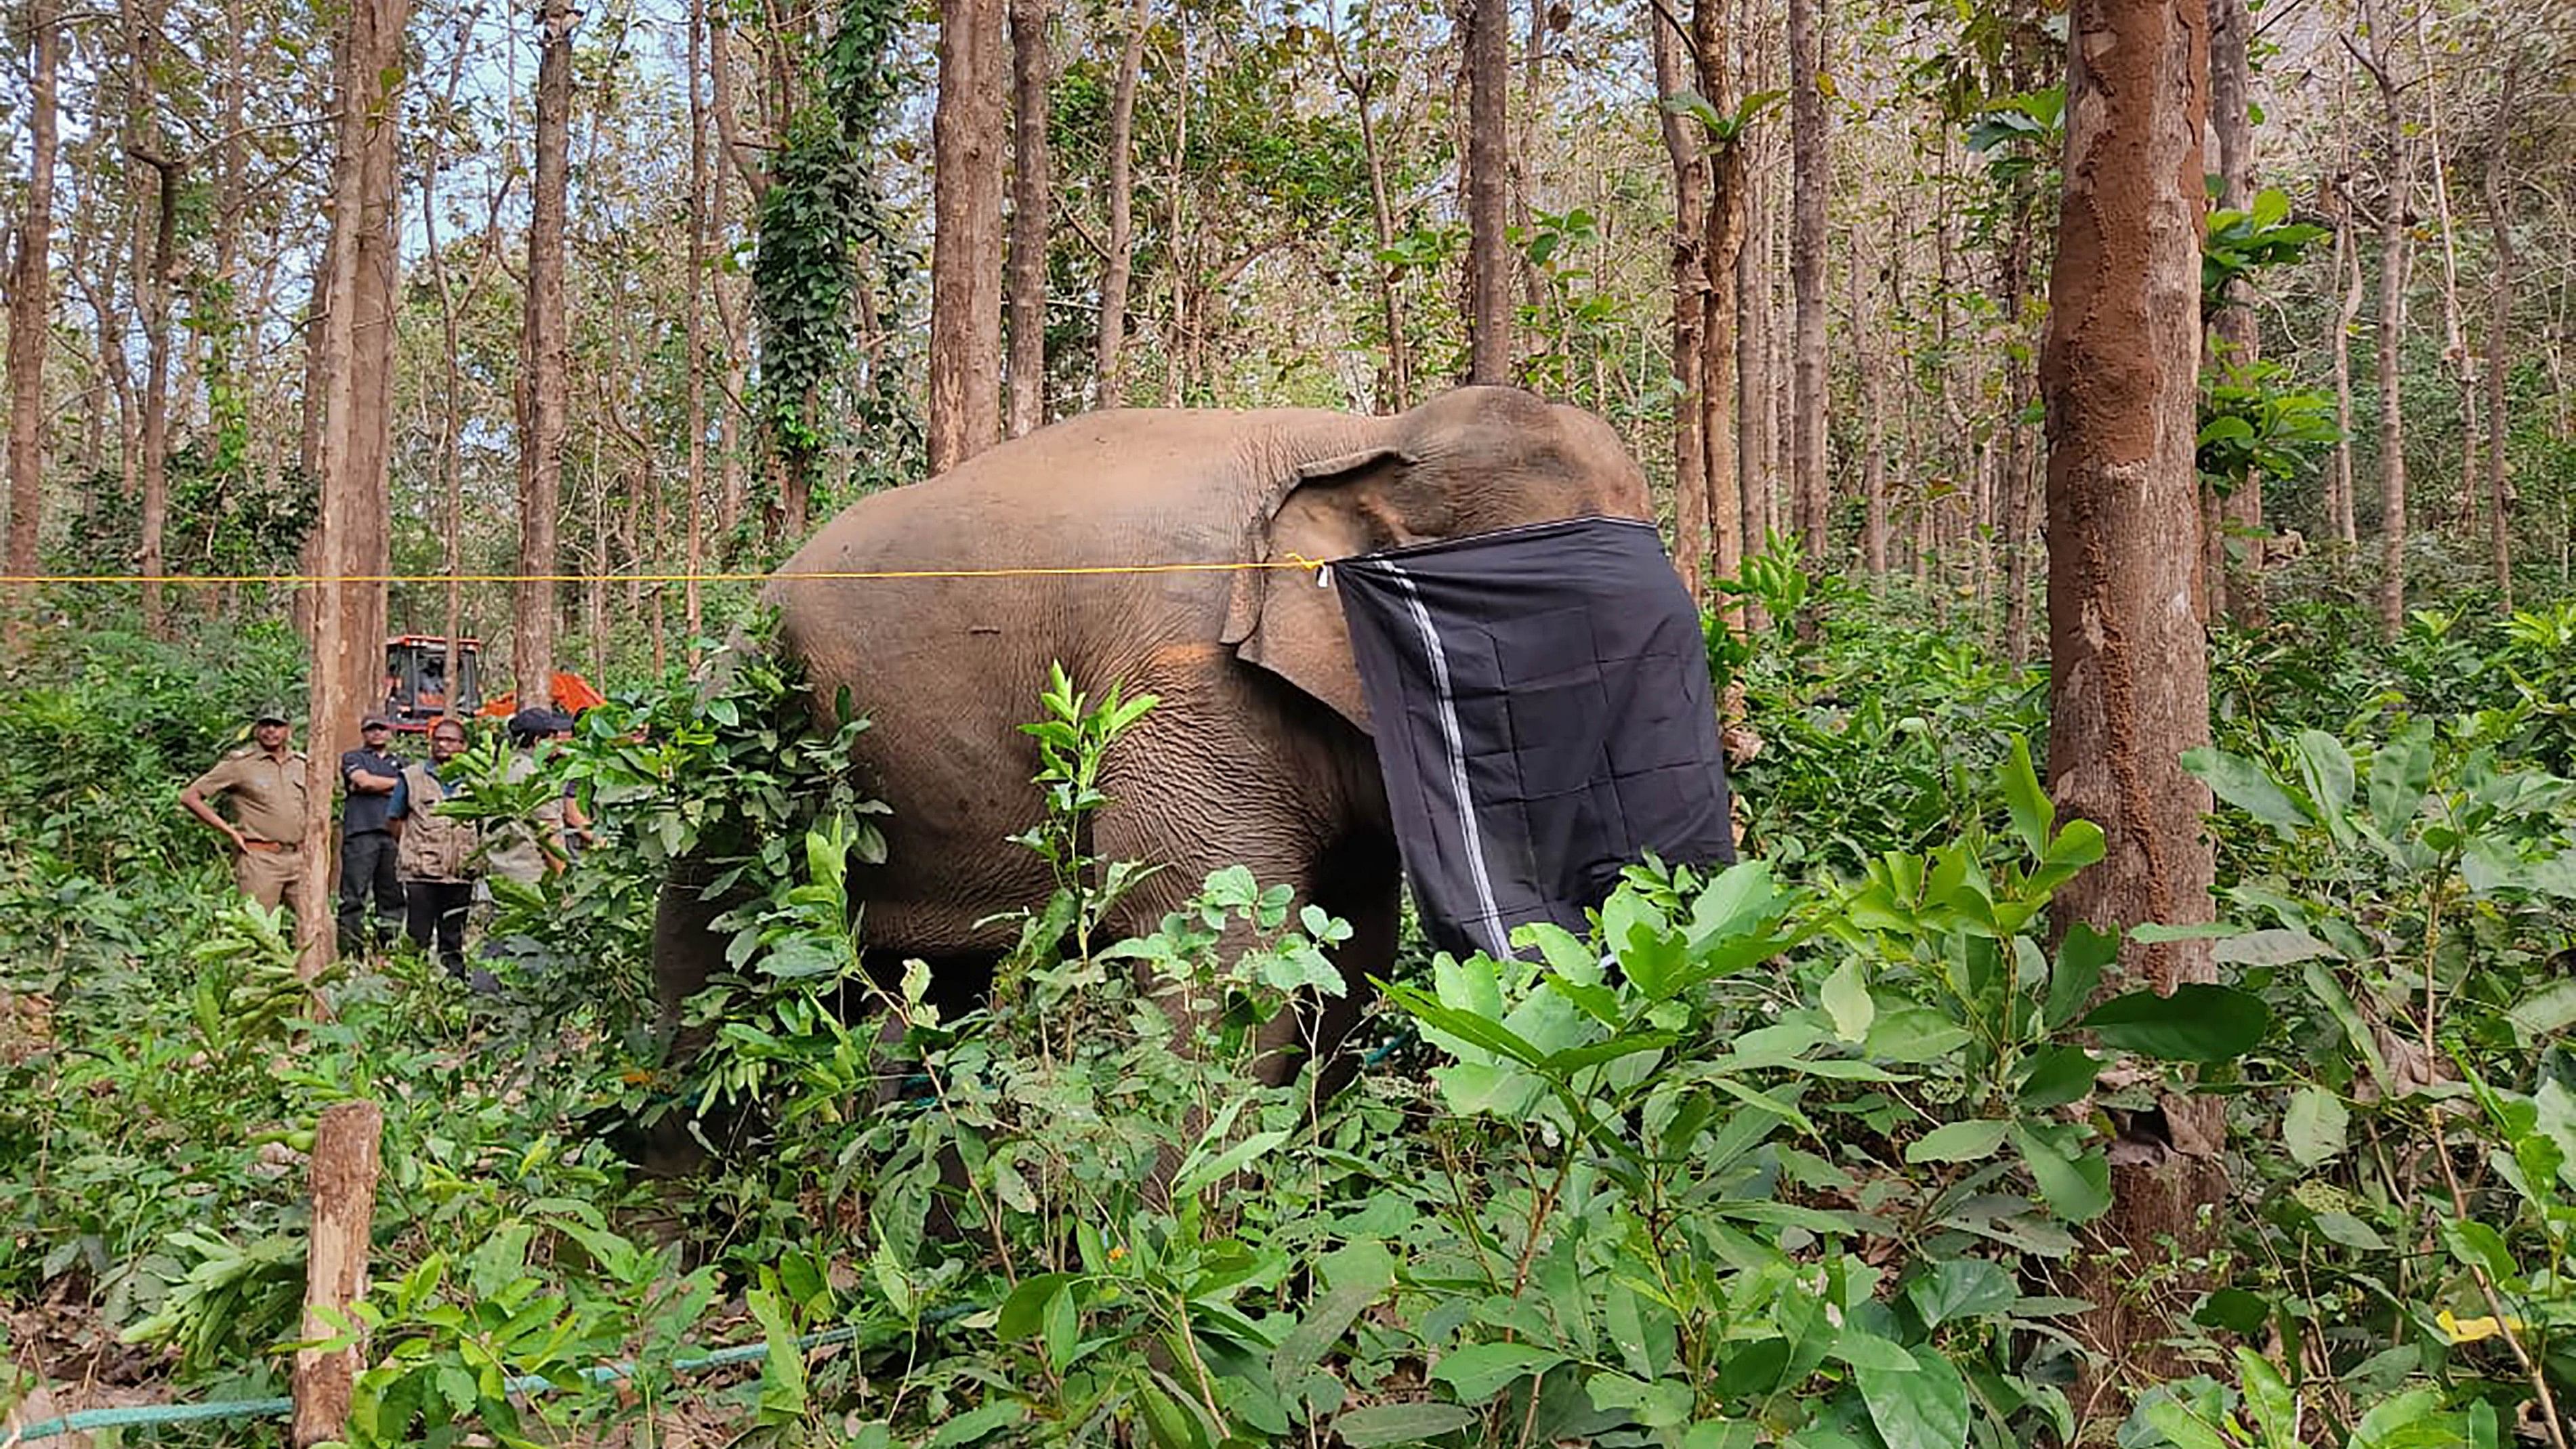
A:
[572, 693]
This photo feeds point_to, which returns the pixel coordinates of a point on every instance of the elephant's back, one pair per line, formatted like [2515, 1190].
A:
[1117, 487]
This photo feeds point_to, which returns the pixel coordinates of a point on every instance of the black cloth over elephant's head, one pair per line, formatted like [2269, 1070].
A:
[1474, 461]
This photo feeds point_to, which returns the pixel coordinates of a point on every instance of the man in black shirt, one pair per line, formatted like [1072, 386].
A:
[370, 774]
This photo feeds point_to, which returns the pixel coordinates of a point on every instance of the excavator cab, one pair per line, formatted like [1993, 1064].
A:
[425, 680]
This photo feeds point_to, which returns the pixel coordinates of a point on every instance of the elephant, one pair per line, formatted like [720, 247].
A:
[1258, 751]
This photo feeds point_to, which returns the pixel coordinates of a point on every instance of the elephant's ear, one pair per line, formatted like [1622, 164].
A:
[1289, 620]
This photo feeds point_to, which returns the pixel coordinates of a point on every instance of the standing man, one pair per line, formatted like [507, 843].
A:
[436, 853]
[529, 852]
[265, 781]
[370, 776]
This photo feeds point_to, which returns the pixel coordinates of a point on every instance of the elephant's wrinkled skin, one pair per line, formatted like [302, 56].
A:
[1256, 754]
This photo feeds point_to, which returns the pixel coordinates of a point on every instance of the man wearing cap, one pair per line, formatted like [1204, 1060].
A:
[370, 775]
[527, 853]
[265, 781]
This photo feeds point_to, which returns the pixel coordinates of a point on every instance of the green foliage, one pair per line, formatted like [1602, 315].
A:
[2253, 427]
[1876, 724]
[2238, 244]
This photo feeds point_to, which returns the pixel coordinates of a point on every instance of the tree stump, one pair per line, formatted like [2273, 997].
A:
[344, 1210]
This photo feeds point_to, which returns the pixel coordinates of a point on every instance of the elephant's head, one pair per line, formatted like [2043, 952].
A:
[1470, 461]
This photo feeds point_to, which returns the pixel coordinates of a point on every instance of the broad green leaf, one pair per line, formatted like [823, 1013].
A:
[1961, 1288]
[2274, 1408]
[2247, 786]
[2270, 948]
[1023, 1314]
[974, 1424]
[1167, 1424]
[2078, 969]
[2413, 1418]
[2032, 815]
[1904, 1034]
[2400, 772]
[1868, 1350]
[1468, 1028]
[2077, 1189]
[2057, 1076]
[2182, 1427]
[2197, 1023]
[1742, 901]
[1400, 1423]
[1970, 1141]
[1846, 999]
[2325, 767]
[2479, 1246]
[1479, 1371]
[1323, 1326]
[1661, 1404]
[2156, 932]
[1922, 1408]
[2551, 1008]
[2080, 844]
[2323, 985]
[2351, 1231]
[2313, 1128]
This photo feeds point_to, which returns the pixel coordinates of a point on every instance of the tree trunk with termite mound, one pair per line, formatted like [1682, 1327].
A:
[2128, 678]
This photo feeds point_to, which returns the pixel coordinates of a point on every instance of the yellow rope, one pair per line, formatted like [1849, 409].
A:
[309, 580]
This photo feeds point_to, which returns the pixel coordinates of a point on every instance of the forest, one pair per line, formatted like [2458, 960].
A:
[2119, 467]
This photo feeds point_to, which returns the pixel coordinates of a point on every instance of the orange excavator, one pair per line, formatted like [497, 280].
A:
[425, 679]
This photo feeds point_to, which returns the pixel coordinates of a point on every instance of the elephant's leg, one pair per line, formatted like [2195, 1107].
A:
[1360, 881]
[687, 951]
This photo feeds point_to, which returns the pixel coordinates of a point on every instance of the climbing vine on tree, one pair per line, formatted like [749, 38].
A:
[829, 259]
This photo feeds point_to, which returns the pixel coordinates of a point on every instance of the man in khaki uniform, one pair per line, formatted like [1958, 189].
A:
[265, 781]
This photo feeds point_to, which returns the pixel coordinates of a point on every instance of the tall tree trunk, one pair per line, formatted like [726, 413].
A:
[1682, 146]
[2234, 333]
[2394, 253]
[693, 334]
[543, 360]
[2500, 341]
[1722, 242]
[2017, 468]
[31, 308]
[2128, 678]
[451, 391]
[1866, 340]
[1533, 282]
[1755, 446]
[366, 539]
[367, 114]
[1032, 184]
[966, 243]
[1488, 172]
[156, 385]
[1109, 360]
[2455, 336]
[1812, 174]
[2347, 266]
